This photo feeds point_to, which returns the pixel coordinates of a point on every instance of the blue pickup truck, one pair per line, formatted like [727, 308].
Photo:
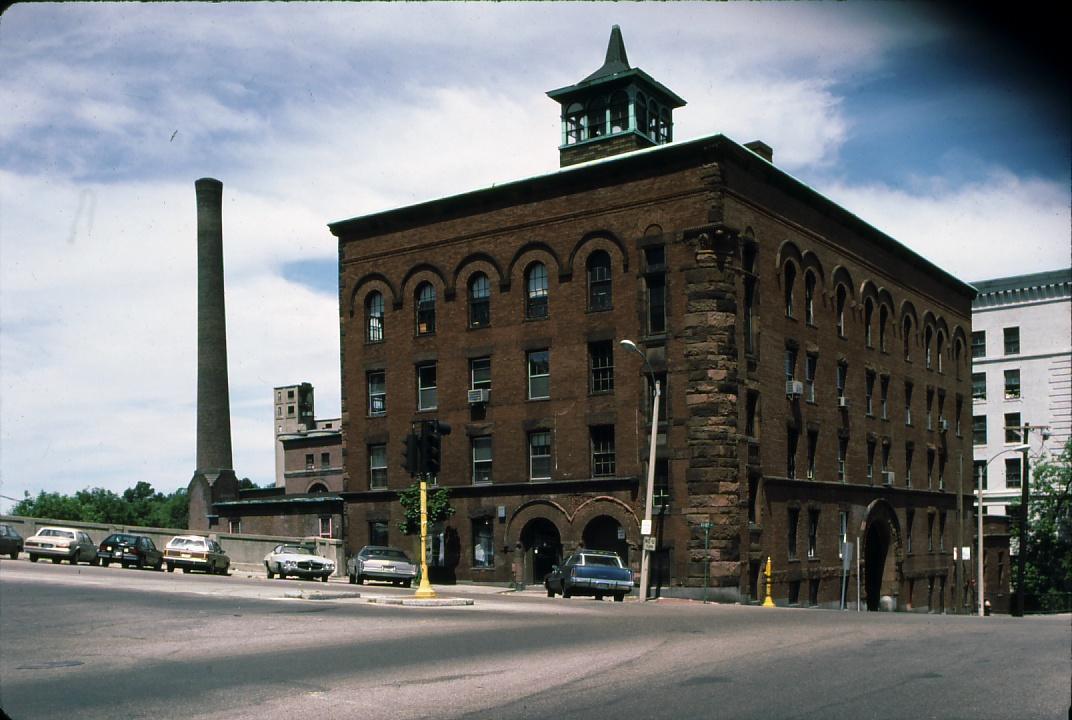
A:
[590, 572]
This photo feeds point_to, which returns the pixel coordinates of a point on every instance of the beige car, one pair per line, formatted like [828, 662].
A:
[193, 552]
[61, 543]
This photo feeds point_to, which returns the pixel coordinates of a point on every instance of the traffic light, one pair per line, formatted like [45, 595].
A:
[411, 454]
[431, 436]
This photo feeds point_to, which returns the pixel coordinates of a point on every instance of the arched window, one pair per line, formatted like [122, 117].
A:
[374, 317]
[958, 353]
[787, 282]
[536, 292]
[599, 282]
[641, 113]
[597, 117]
[318, 488]
[619, 112]
[841, 299]
[869, 314]
[574, 122]
[425, 309]
[883, 320]
[939, 347]
[928, 334]
[809, 297]
[479, 301]
[906, 334]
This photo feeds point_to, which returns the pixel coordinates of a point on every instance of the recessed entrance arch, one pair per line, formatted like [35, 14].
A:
[606, 533]
[542, 546]
[881, 555]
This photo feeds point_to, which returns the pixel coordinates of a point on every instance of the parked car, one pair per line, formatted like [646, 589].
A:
[193, 552]
[10, 541]
[62, 543]
[137, 550]
[376, 562]
[297, 561]
[590, 572]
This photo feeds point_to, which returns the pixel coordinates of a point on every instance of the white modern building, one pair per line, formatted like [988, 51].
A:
[1021, 375]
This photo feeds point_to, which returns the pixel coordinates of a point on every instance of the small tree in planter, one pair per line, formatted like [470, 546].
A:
[439, 509]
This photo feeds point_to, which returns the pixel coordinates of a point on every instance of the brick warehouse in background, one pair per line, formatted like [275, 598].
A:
[816, 375]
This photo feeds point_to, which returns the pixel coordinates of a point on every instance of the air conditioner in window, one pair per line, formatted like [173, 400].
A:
[479, 396]
[794, 388]
[943, 424]
[810, 474]
[842, 402]
[888, 477]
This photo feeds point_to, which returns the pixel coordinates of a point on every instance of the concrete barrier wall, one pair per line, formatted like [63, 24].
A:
[246, 551]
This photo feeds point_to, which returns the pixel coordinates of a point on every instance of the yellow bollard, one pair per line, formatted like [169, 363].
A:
[767, 602]
[424, 590]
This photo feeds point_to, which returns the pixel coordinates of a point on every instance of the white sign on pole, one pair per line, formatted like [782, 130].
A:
[965, 553]
[645, 527]
[846, 557]
[649, 543]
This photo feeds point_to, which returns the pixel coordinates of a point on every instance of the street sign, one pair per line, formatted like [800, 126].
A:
[645, 527]
[649, 542]
[846, 557]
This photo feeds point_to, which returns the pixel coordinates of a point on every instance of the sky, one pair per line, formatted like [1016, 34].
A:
[945, 129]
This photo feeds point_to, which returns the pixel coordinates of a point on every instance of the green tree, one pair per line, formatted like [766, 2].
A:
[438, 507]
[139, 505]
[1048, 560]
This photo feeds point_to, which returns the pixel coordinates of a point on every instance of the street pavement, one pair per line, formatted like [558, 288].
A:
[87, 642]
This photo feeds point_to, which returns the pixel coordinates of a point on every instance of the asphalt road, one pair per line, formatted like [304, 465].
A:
[86, 642]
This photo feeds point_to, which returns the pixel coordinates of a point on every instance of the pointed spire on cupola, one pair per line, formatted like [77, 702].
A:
[617, 61]
[614, 110]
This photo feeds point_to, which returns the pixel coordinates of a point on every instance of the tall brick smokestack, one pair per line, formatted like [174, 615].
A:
[213, 403]
[214, 478]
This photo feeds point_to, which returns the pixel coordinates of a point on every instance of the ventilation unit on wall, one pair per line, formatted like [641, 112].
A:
[479, 396]
[842, 402]
[794, 388]
[888, 477]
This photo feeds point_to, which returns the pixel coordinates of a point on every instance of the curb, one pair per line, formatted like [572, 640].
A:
[414, 602]
[320, 595]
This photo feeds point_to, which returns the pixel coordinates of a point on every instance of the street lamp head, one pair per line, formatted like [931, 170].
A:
[630, 346]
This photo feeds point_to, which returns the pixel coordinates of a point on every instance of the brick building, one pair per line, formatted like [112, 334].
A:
[815, 371]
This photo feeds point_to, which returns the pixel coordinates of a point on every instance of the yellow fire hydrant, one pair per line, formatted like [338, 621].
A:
[768, 602]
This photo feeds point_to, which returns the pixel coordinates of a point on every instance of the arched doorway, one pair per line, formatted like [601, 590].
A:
[543, 549]
[606, 533]
[880, 556]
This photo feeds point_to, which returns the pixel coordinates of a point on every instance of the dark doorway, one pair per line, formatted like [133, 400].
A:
[877, 544]
[543, 549]
[606, 533]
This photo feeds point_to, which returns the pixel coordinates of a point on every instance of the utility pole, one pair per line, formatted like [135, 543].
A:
[1025, 496]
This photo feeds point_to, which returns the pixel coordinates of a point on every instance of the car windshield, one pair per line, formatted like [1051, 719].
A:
[386, 554]
[187, 543]
[119, 538]
[295, 550]
[601, 560]
[48, 532]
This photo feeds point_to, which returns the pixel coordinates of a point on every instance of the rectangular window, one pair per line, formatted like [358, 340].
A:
[602, 450]
[843, 534]
[480, 373]
[539, 368]
[481, 459]
[377, 455]
[1012, 341]
[959, 410]
[885, 399]
[813, 444]
[869, 393]
[842, 375]
[427, 395]
[1012, 427]
[290, 411]
[930, 533]
[979, 386]
[930, 468]
[791, 533]
[325, 527]
[751, 424]
[813, 533]
[908, 403]
[871, 461]
[1012, 472]
[908, 453]
[483, 543]
[941, 471]
[325, 460]
[309, 464]
[979, 429]
[601, 366]
[791, 453]
[540, 455]
[978, 348]
[655, 286]
[234, 526]
[661, 494]
[810, 363]
[910, 516]
[930, 408]
[941, 532]
[378, 533]
[979, 473]
[1012, 384]
[790, 364]
[842, 450]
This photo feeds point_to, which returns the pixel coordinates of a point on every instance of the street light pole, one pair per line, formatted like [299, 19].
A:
[980, 587]
[645, 528]
[1021, 561]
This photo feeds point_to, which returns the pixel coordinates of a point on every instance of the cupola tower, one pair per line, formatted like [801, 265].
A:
[614, 110]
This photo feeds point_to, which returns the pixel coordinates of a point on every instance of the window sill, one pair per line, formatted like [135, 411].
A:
[538, 399]
[599, 310]
[427, 410]
[478, 327]
[537, 319]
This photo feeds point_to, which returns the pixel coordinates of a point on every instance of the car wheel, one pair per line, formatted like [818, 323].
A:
[125, 564]
[56, 561]
[170, 567]
[105, 563]
[159, 564]
[360, 579]
[566, 594]
[550, 591]
[33, 558]
[139, 564]
[185, 570]
[353, 579]
[268, 569]
[407, 583]
[282, 575]
[14, 554]
[324, 578]
[599, 597]
[618, 597]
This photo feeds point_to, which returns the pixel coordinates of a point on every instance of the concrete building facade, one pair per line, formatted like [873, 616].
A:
[1021, 374]
[815, 371]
